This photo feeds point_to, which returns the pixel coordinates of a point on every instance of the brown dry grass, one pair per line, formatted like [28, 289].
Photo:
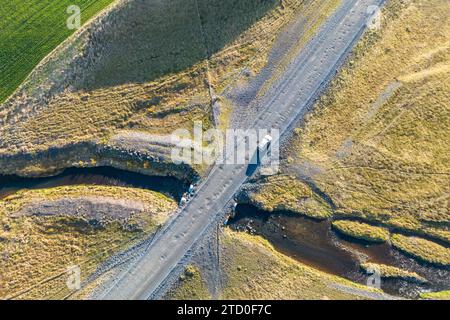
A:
[37, 250]
[379, 137]
[190, 286]
[255, 270]
[362, 231]
[166, 101]
[252, 269]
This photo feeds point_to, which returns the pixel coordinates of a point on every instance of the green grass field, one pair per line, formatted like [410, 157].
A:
[29, 30]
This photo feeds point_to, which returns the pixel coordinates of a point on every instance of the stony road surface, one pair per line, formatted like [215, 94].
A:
[284, 104]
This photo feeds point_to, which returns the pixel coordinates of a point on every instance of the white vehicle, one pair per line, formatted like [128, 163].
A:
[183, 201]
[264, 147]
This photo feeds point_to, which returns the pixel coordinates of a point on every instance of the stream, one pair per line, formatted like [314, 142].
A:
[309, 241]
[314, 243]
[106, 176]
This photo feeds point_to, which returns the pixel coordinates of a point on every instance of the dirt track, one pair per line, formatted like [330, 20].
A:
[284, 104]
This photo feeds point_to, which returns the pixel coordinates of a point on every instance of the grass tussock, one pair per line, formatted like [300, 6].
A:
[393, 272]
[361, 230]
[285, 193]
[190, 286]
[441, 295]
[422, 249]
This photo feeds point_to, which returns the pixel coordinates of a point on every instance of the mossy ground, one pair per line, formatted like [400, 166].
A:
[422, 249]
[442, 295]
[393, 272]
[36, 251]
[361, 230]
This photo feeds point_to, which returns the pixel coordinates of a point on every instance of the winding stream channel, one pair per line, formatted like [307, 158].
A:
[314, 243]
[105, 176]
[309, 241]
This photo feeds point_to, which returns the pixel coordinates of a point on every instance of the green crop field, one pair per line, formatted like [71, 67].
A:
[29, 30]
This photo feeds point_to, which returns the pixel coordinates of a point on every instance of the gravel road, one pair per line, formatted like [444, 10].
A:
[283, 105]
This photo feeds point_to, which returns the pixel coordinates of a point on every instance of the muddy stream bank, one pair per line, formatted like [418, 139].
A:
[314, 243]
[106, 176]
[309, 241]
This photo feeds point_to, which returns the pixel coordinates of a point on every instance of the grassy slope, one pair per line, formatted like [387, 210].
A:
[170, 37]
[190, 285]
[128, 88]
[253, 269]
[422, 249]
[361, 230]
[36, 251]
[390, 160]
[376, 143]
[29, 30]
[271, 195]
